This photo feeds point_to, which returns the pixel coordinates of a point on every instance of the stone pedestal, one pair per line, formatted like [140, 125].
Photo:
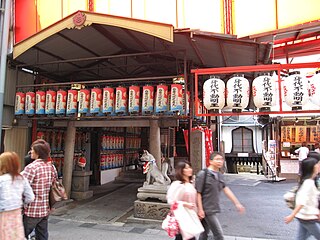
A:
[158, 192]
[150, 210]
[80, 185]
[148, 206]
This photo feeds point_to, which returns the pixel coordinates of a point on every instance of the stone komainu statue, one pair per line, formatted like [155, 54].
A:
[153, 174]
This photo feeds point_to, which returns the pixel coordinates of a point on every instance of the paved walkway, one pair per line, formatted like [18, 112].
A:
[112, 204]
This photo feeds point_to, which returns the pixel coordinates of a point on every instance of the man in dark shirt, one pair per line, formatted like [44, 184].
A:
[209, 184]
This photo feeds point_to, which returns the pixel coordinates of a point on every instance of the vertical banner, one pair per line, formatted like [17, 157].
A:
[301, 134]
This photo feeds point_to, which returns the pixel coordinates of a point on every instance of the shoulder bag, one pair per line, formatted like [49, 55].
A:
[57, 192]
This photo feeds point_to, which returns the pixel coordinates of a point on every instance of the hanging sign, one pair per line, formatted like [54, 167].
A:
[263, 92]
[301, 134]
[315, 88]
[314, 137]
[50, 102]
[134, 99]
[147, 99]
[72, 101]
[176, 98]
[84, 95]
[214, 94]
[161, 104]
[295, 89]
[40, 102]
[61, 102]
[20, 102]
[107, 100]
[95, 101]
[238, 93]
[121, 100]
[283, 134]
[30, 103]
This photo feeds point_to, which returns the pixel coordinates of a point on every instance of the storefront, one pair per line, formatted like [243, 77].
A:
[106, 87]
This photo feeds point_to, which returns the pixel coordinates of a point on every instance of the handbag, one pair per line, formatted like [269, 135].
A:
[57, 193]
[170, 223]
[290, 197]
[189, 223]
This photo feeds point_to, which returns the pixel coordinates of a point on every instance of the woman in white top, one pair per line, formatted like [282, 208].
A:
[182, 190]
[15, 191]
[306, 205]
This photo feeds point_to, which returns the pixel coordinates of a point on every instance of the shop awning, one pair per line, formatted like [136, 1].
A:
[91, 46]
[299, 40]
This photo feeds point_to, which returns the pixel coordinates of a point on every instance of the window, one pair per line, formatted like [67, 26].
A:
[242, 140]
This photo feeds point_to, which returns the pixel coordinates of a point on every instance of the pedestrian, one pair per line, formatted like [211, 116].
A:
[316, 155]
[316, 147]
[209, 184]
[306, 202]
[15, 191]
[27, 158]
[182, 190]
[303, 152]
[40, 174]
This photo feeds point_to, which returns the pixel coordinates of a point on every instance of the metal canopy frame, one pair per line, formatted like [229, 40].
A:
[259, 68]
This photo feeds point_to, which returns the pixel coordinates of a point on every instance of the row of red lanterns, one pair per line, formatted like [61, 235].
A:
[297, 90]
[108, 100]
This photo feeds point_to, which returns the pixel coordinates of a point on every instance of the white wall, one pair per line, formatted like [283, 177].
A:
[226, 136]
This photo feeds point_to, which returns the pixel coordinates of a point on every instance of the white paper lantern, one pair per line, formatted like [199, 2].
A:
[296, 92]
[238, 92]
[264, 92]
[315, 88]
[214, 94]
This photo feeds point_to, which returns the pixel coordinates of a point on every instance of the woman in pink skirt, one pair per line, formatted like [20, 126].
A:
[15, 191]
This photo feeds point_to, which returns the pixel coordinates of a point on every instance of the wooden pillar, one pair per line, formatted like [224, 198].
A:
[155, 144]
[68, 156]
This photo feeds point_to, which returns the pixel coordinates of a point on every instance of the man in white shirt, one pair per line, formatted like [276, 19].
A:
[303, 152]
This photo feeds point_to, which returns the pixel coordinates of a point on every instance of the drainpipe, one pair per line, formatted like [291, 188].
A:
[4, 41]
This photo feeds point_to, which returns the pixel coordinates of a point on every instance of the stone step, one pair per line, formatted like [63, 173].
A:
[122, 179]
[132, 174]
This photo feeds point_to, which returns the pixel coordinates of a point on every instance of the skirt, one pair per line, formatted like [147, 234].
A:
[11, 225]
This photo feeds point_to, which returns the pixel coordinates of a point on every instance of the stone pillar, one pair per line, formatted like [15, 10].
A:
[197, 151]
[155, 143]
[68, 156]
